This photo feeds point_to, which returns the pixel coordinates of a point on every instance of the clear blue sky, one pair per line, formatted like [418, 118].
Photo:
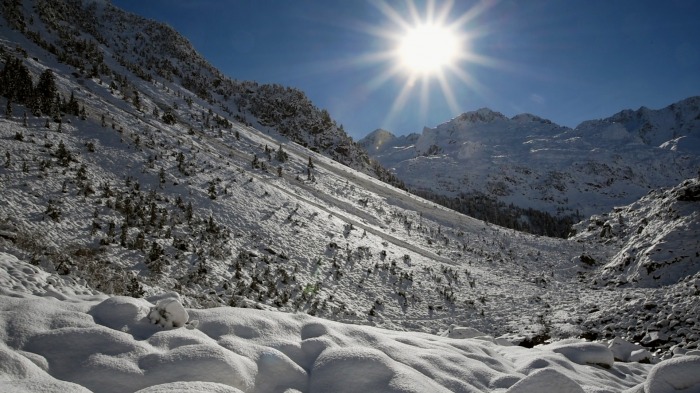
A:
[565, 60]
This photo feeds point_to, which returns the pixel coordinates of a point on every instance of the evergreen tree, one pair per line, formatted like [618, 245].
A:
[72, 107]
[136, 101]
[63, 155]
[16, 82]
[212, 190]
[281, 155]
[46, 92]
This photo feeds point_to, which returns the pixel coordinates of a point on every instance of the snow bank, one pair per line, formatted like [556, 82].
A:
[20, 374]
[673, 375]
[358, 369]
[583, 352]
[112, 346]
[627, 352]
[190, 387]
[464, 332]
[547, 380]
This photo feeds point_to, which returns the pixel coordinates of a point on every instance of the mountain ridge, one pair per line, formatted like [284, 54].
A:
[532, 162]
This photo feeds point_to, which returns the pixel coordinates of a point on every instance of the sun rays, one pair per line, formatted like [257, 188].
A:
[427, 49]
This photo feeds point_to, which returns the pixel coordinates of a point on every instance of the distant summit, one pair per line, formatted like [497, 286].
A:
[483, 115]
[376, 139]
[533, 163]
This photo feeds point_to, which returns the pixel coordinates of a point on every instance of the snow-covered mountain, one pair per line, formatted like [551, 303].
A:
[120, 174]
[655, 240]
[98, 40]
[531, 162]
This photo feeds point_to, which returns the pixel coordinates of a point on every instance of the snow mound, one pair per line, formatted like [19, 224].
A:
[169, 313]
[112, 346]
[364, 369]
[546, 380]
[19, 374]
[673, 375]
[583, 352]
[464, 332]
[190, 387]
[627, 352]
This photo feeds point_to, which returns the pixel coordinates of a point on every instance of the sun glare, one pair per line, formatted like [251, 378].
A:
[428, 49]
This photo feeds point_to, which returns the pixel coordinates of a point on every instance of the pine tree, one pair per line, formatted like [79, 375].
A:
[281, 155]
[72, 107]
[136, 101]
[161, 176]
[46, 92]
[124, 235]
[212, 190]
[63, 155]
[189, 212]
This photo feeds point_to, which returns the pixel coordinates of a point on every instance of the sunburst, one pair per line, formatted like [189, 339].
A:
[427, 49]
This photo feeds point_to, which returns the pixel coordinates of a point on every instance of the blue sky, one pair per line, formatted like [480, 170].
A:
[565, 60]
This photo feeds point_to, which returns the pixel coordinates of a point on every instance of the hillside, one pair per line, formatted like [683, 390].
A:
[118, 192]
[142, 59]
[656, 239]
[531, 163]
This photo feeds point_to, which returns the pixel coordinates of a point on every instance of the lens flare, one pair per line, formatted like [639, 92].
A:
[427, 49]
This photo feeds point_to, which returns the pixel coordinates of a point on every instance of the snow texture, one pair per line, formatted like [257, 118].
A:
[81, 344]
[168, 313]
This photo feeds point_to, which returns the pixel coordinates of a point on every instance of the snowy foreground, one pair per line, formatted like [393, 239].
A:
[59, 336]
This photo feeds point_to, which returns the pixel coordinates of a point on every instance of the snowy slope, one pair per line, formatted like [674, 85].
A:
[656, 239]
[533, 163]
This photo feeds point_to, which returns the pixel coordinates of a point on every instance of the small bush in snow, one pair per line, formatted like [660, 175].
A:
[168, 313]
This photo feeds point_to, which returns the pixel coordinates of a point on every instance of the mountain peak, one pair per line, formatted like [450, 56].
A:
[528, 117]
[376, 139]
[482, 115]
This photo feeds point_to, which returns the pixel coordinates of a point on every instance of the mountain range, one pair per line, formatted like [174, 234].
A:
[531, 162]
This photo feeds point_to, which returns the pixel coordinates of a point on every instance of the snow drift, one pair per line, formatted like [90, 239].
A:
[56, 337]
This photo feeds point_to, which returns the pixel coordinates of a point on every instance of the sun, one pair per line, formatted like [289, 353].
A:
[428, 49]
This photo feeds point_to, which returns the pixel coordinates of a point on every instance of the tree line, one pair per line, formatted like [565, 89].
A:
[489, 209]
[42, 98]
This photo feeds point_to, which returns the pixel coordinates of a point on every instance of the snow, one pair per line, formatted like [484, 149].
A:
[82, 342]
[583, 352]
[534, 163]
[546, 380]
[168, 313]
[110, 345]
[673, 375]
[627, 352]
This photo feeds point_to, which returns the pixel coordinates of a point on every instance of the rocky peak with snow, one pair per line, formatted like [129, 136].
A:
[482, 115]
[376, 139]
[652, 242]
[656, 127]
[533, 163]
